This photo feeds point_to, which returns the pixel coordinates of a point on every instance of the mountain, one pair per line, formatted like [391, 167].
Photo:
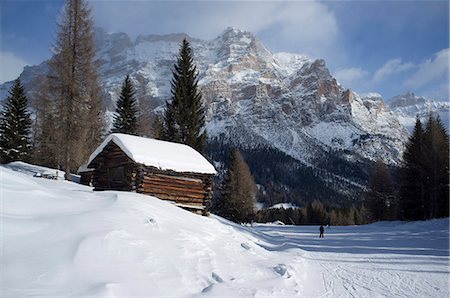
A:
[408, 106]
[280, 106]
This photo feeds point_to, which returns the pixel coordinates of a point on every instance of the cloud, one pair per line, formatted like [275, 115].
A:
[11, 66]
[309, 26]
[431, 71]
[350, 77]
[392, 67]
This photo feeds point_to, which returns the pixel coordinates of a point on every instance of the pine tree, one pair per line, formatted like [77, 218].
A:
[380, 197]
[238, 191]
[184, 117]
[157, 128]
[425, 172]
[413, 202]
[125, 119]
[15, 124]
[436, 166]
[74, 87]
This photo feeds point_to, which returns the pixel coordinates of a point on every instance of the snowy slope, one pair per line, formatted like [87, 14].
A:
[254, 97]
[62, 239]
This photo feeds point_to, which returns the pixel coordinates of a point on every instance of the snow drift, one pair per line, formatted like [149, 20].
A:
[62, 239]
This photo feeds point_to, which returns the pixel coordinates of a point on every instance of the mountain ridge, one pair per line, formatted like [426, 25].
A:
[255, 99]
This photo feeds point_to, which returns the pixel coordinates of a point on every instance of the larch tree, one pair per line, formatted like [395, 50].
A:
[15, 124]
[184, 116]
[125, 119]
[47, 150]
[238, 191]
[74, 87]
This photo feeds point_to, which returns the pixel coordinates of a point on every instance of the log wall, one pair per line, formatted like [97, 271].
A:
[185, 189]
[107, 164]
[191, 191]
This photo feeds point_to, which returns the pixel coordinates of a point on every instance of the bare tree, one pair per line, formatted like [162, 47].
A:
[74, 86]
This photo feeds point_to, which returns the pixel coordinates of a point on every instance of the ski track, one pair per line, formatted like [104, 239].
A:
[346, 273]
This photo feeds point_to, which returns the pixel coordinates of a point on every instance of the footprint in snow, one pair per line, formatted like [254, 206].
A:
[152, 222]
[281, 270]
[245, 246]
[216, 277]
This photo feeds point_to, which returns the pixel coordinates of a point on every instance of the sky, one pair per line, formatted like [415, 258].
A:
[389, 47]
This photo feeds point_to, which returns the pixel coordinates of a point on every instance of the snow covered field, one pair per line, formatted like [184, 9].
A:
[61, 239]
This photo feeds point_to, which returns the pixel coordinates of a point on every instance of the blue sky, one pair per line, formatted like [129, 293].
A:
[388, 47]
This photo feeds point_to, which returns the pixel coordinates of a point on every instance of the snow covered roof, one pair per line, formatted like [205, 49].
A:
[84, 168]
[159, 154]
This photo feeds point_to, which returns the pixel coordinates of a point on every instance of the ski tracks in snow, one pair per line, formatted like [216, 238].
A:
[342, 266]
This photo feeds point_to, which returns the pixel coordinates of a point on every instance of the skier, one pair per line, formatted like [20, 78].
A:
[321, 231]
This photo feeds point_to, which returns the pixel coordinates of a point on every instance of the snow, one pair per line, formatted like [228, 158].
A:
[38, 171]
[283, 206]
[160, 154]
[61, 239]
[288, 63]
[371, 95]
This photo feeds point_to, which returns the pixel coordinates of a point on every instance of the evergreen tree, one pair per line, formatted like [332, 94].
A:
[412, 192]
[74, 88]
[15, 123]
[184, 117]
[380, 197]
[157, 128]
[238, 191]
[125, 119]
[425, 172]
[436, 166]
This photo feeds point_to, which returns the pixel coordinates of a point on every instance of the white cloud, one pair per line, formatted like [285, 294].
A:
[310, 26]
[10, 66]
[350, 77]
[431, 71]
[392, 67]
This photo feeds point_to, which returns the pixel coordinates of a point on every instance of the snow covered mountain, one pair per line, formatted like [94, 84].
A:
[408, 106]
[286, 101]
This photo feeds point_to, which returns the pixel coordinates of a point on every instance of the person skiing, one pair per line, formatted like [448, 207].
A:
[321, 231]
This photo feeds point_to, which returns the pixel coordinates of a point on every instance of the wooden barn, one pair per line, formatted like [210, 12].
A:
[169, 171]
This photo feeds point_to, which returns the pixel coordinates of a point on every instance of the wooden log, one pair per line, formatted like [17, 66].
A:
[173, 187]
[179, 180]
[179, 199]
[171, 193]
[173, 184]
[177, 187]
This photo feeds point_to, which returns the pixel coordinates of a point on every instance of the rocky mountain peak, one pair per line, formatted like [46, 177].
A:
[234, 35]
[284, 101]
[406, 99]
[409, 106]
[237, 46]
